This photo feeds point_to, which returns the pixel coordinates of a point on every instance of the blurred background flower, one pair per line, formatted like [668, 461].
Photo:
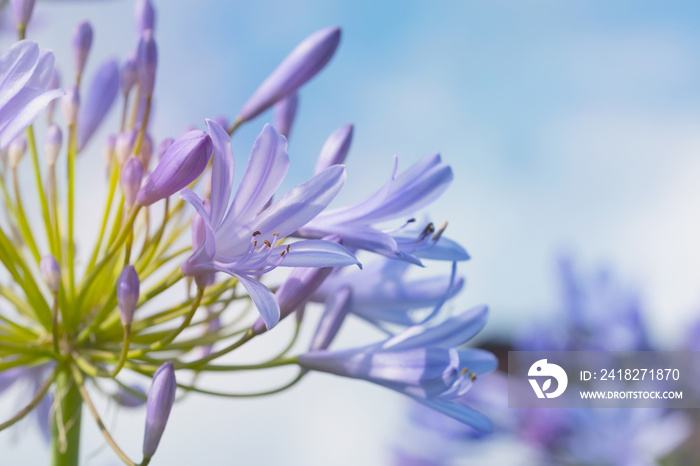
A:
[571, 126]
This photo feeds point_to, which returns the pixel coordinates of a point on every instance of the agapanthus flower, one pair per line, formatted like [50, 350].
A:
[25, 71]
[100, 97]
[401, 196]
[244, 242]
[424, 362]
[384, 293]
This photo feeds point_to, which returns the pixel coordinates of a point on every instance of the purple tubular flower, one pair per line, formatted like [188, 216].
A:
[131, 177]
[25, 71]
[100, 98]
[244, 242]
[82, 42]
[146, 151]
[144, 16]
[418, 186]
[335, 149]
[182, 163]
[163, 147]
[70, 104]
[337, 307]
[147, 61]
[302, 64]
[422, 362]
[295, 291]
[22, 11]
[284, 112]
[382, 292]
[52, 144]
[50, 272]
[128, 294]
[160, 401]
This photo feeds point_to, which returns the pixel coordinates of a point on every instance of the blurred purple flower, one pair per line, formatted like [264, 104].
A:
[335, 149]
[100, 97]
[25, 71]
[284, 112]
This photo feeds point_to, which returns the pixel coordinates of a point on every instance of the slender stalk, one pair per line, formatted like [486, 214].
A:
[65, 444]
[125, 350]
[72, 144]
[22, 219]
[31, 143]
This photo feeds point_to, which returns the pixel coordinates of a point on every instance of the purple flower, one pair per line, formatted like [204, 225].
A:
[25, 71]
[337, 307]
[82, 42]
[402, 195]
[51, 272]
[100, 97]
[124, 145]
[147, 61]
[302, 64]
[161, 396]
[128, 399]
[422, 362]
[163, 147]
[284, 112]
[335, 149]
[382, 292]
[22, 11]
[241, 240]
[131, 178]
[144, 16]
[182, 163]
[128, 287]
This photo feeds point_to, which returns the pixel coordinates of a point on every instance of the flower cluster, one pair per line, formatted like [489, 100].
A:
[70, 324]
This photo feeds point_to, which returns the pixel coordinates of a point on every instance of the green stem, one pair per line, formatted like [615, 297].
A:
[31, 142]
[65, 438]
[71, 193]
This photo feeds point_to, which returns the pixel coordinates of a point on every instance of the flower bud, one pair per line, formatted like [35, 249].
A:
[22, 11]
[163, 147]
[54, 83]
[128, 399]
[128, 286]
[144, 16]
[52, 144]
[335, 149]
[146, 151]
[302, 64]
[50, 272]
[82, 41]
[124, 145]
[129, 77]
[222, 121]
[16, 151]
[284, 112]
[108, 152]
[182, 163]
[337, 307]
[132, 176]
[147, 61]
[160, 401]
[70, 104]
[99, 99]
[295, 291]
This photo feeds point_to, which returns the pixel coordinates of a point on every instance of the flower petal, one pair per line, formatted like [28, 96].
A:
[21, 112]
[318, 253]
[100, 97]
[222, 172]
[460, 412]
[264, 299]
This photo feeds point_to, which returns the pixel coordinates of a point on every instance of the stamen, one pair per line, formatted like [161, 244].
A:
[277, 233]
[267, 243]
[439, 233]
[472, 376]
[287, 248]
[427, 231]
[465, 370]
[256, 233]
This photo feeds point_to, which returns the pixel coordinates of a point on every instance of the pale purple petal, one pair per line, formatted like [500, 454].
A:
[100, 97]
[335, 149]
[337, 307]
[264, 300]
[222, 172]
[318, 253]
[284, 112]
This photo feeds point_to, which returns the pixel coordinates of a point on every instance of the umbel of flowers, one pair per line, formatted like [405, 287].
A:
[70, 325]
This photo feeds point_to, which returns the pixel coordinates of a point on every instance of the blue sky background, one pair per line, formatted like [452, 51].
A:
[572, 127]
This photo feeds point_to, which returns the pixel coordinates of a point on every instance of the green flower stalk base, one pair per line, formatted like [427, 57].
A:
[66, 416]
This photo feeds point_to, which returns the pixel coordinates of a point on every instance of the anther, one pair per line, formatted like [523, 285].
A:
[256, 233]
[439, 233]
[427, 231]
[277, 233]
[267, 243]
[465, 370]
[287, 248]
[472, 376]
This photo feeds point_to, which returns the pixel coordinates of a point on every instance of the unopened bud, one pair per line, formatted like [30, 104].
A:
[128, 294]
[16, 151]
[52, 144]
[132, 176]
[124, 145]
[82, 41]
[147, 61]
[71, 104]
[160, 401]
[50, 272]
